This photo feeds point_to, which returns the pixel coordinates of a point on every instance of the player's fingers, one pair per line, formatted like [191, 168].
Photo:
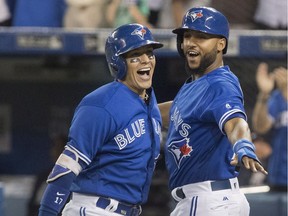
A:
[234, 160]
[253, 165]
[261, 168]
[246, 163]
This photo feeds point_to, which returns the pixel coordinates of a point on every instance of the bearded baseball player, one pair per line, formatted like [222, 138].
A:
[207, 123]
[114, 138]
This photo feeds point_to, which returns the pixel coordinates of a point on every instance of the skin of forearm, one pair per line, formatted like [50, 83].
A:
[236, 129]
[137, 15]
[260, 118]
[111, 11]
[165, 109]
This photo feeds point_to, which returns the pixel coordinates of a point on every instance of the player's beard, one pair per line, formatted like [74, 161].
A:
[205, 62]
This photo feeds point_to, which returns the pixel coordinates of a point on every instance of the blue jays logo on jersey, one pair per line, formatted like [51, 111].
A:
[140, 32]
[180, 149]
[195, 15]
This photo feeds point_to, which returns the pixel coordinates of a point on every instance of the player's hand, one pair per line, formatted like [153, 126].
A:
[264, 79]
[234, 160]
[249, 163]
[280, 75]
[253, 165]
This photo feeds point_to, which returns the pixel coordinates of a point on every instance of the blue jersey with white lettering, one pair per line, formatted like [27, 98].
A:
[117, 136]
[277, 166]
[197, 148]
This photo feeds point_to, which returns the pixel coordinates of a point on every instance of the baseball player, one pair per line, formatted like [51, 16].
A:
[207, 123]
[114, 138]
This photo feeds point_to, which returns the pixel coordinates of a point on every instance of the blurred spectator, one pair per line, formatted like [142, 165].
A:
[178, 8]
[155, 7]
[85, 13]
[173, 11]
[121, 12]
[57, 146]
[40, 13]
[5, 16]
[270, 114]
[271, 14]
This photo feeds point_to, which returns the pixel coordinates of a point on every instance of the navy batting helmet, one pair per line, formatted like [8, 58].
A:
[206, 20]
[122, 40]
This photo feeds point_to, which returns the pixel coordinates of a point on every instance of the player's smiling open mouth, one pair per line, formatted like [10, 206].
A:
[144, 71]
[192, 53]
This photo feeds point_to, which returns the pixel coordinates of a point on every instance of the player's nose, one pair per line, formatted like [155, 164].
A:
[144, 58]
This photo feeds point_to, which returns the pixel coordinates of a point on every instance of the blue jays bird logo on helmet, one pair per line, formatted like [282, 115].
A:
[123, 39]
[180, 149]
[195, 15]
[139, 32]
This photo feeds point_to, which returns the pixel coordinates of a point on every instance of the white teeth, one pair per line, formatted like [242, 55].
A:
[192, 53]
[144, 69]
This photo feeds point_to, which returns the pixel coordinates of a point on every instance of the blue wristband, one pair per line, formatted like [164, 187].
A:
[53, 200]
[56, 195]
[244, 147]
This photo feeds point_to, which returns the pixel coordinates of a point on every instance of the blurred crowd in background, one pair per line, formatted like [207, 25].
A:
[251, 14]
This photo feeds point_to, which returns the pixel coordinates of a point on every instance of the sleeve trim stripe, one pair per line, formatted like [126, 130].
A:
[227, 114]
[81, 155]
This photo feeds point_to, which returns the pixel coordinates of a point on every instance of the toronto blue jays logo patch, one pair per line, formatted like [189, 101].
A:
[140, 32]
[194, 15]
[180, 149]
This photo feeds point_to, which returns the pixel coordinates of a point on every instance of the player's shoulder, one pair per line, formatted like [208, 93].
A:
[222, 76]
[101, 96]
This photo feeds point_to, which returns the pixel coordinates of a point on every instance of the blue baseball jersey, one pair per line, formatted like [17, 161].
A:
[197, 148]
[117, 136]
[277, 166]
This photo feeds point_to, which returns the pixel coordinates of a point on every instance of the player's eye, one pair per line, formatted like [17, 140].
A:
[150, 54]
[135, 60]
[136, 57]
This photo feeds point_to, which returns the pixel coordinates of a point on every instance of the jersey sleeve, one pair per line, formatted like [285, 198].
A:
[225, 102]
[90, 127]
[273, 110]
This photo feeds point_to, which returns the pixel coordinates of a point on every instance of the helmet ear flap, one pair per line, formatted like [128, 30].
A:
[179, 43]
[113, 69]
[118, 68]
[122, 71]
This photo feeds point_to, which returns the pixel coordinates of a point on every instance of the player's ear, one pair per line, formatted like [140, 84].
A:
[221, 44]
[182, 46]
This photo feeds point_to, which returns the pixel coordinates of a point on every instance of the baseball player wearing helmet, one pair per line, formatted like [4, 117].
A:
[114, 138]
[207, 123]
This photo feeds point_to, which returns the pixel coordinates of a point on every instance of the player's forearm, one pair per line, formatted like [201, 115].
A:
[239, 135]
[112, 11]
[138, 16]
[236, 129]
[260, 119]
[56, 195]
[165, 110]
